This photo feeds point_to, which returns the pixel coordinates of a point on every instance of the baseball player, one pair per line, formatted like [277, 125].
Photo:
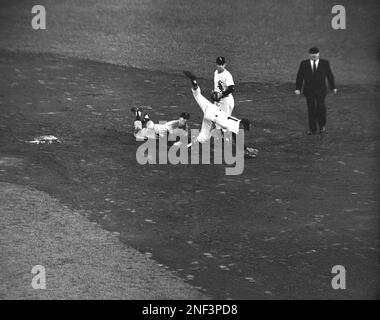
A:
[224, 86]
[213, 115]
[144, 128]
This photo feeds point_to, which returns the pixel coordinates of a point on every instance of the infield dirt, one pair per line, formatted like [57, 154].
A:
[304, 205]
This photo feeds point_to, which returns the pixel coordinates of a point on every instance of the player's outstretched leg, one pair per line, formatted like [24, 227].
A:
[192, 77]
[201, 100]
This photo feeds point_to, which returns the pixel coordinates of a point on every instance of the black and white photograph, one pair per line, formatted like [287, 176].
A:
[200, 151]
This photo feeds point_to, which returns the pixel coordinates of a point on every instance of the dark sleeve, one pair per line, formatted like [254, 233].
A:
[299, 80]
[330, 76]
[229, 90]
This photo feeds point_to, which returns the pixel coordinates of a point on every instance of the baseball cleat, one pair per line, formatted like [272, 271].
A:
[137, 112]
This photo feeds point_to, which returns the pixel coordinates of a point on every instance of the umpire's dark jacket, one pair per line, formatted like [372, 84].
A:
[314, 84]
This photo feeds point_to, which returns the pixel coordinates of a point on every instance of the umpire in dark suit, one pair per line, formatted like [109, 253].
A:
[311, 79]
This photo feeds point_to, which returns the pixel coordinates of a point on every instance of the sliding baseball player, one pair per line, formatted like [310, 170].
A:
[144, 128]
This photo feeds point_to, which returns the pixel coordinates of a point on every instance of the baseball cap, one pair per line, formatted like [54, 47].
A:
[185, 115]
[220, 60]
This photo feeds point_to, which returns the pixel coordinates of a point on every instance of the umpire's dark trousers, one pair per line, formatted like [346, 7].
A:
[316, 111]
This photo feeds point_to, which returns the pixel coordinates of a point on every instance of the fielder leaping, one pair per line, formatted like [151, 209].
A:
[213, 115]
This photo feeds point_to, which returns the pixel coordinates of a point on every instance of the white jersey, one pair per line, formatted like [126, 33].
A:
[223, 80]
[161, 129]
[221, 118]
[213, 114]
[170, 127]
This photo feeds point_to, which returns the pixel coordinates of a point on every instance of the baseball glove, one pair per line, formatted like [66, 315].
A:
[215, 96]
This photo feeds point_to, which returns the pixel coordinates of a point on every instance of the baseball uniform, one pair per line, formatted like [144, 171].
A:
[221, 82]
[213, 114]
[152, 129]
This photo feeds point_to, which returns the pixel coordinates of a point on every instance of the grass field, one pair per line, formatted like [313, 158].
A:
[262, 40]
[304, 205]
[38, 230]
